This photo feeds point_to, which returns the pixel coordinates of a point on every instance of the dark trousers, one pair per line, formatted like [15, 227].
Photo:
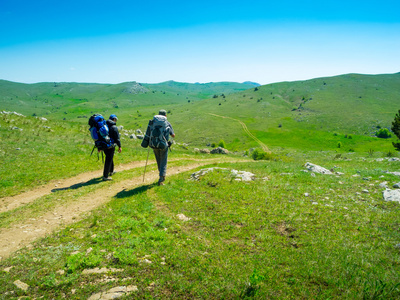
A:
[109, 163]
[162, 159]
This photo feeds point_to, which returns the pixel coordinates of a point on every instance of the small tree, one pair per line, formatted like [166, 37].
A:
[396, 130]
[383, 133]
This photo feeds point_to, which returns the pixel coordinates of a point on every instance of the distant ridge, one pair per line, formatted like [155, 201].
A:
[252, 83]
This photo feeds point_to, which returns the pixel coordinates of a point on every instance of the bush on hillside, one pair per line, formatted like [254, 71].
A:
[258, 154]
[222, 144]
[383, 133]
[396, 130]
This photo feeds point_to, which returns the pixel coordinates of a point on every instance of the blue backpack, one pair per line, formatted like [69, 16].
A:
[99, 132]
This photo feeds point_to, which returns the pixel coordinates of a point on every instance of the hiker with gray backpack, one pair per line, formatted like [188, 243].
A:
[157, 137]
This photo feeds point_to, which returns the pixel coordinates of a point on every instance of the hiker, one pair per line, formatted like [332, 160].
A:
[114, 135]
[157, 137]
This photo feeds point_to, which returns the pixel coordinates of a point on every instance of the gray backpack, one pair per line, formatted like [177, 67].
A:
[159, 131]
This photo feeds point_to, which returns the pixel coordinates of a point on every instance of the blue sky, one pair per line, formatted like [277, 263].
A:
[155, 41]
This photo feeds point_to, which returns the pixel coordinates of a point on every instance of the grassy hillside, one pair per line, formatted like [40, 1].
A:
[72, 100]
[315, 114]
[303, 113]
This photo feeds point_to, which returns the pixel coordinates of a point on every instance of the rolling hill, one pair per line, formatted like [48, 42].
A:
[315, 114]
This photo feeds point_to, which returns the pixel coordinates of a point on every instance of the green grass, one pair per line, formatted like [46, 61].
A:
[261, 239]
[266, 240]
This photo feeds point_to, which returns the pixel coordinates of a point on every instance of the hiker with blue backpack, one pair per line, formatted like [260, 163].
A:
[157, 137]
[109, 152]
[105, 135]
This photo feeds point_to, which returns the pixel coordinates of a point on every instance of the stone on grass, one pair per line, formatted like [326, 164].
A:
[317, 169]
[21, 285]
[242, 175]
[396, 185]
[202, 172]
[219, 150]
[383, 185]
[182, 217]
[237, 175]
[394, 159]
[114, 293]
[394, 173]
[100, 271]
[205, 151]
[391, 195]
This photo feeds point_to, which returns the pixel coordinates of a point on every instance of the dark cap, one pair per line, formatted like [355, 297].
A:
[162, 112]
[113, 117]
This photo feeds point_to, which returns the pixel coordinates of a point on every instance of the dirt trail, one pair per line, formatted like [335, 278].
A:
[22, 234]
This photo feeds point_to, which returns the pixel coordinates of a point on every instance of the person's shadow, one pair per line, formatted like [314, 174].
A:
[78, 185]
[139, 190]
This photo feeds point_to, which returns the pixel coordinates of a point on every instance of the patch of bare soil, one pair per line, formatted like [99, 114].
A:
[22, 234]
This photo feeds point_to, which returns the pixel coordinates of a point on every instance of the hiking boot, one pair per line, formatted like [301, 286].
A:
[161, 180]
[107, 178]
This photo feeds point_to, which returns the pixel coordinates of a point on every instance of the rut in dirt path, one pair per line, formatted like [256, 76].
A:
[22, 234]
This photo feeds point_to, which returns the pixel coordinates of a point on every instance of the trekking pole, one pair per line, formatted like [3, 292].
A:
[146, 163]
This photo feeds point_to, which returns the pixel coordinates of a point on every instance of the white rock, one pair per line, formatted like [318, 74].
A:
[394, 159]
[21, 285]
[114, 293]
[394, 173]
[182, 217]
[317, 169]
[100, 271]
[391, 195]
[383, 185]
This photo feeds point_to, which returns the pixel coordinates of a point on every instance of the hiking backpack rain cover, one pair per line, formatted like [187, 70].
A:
[99, 132]
[159, 130]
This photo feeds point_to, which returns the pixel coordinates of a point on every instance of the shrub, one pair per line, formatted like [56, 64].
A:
[339, 145]
[222, 144]
[383, 133]
[258, 154]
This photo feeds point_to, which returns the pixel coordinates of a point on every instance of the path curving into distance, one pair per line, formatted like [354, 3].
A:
[247, 131]
[22, 233]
